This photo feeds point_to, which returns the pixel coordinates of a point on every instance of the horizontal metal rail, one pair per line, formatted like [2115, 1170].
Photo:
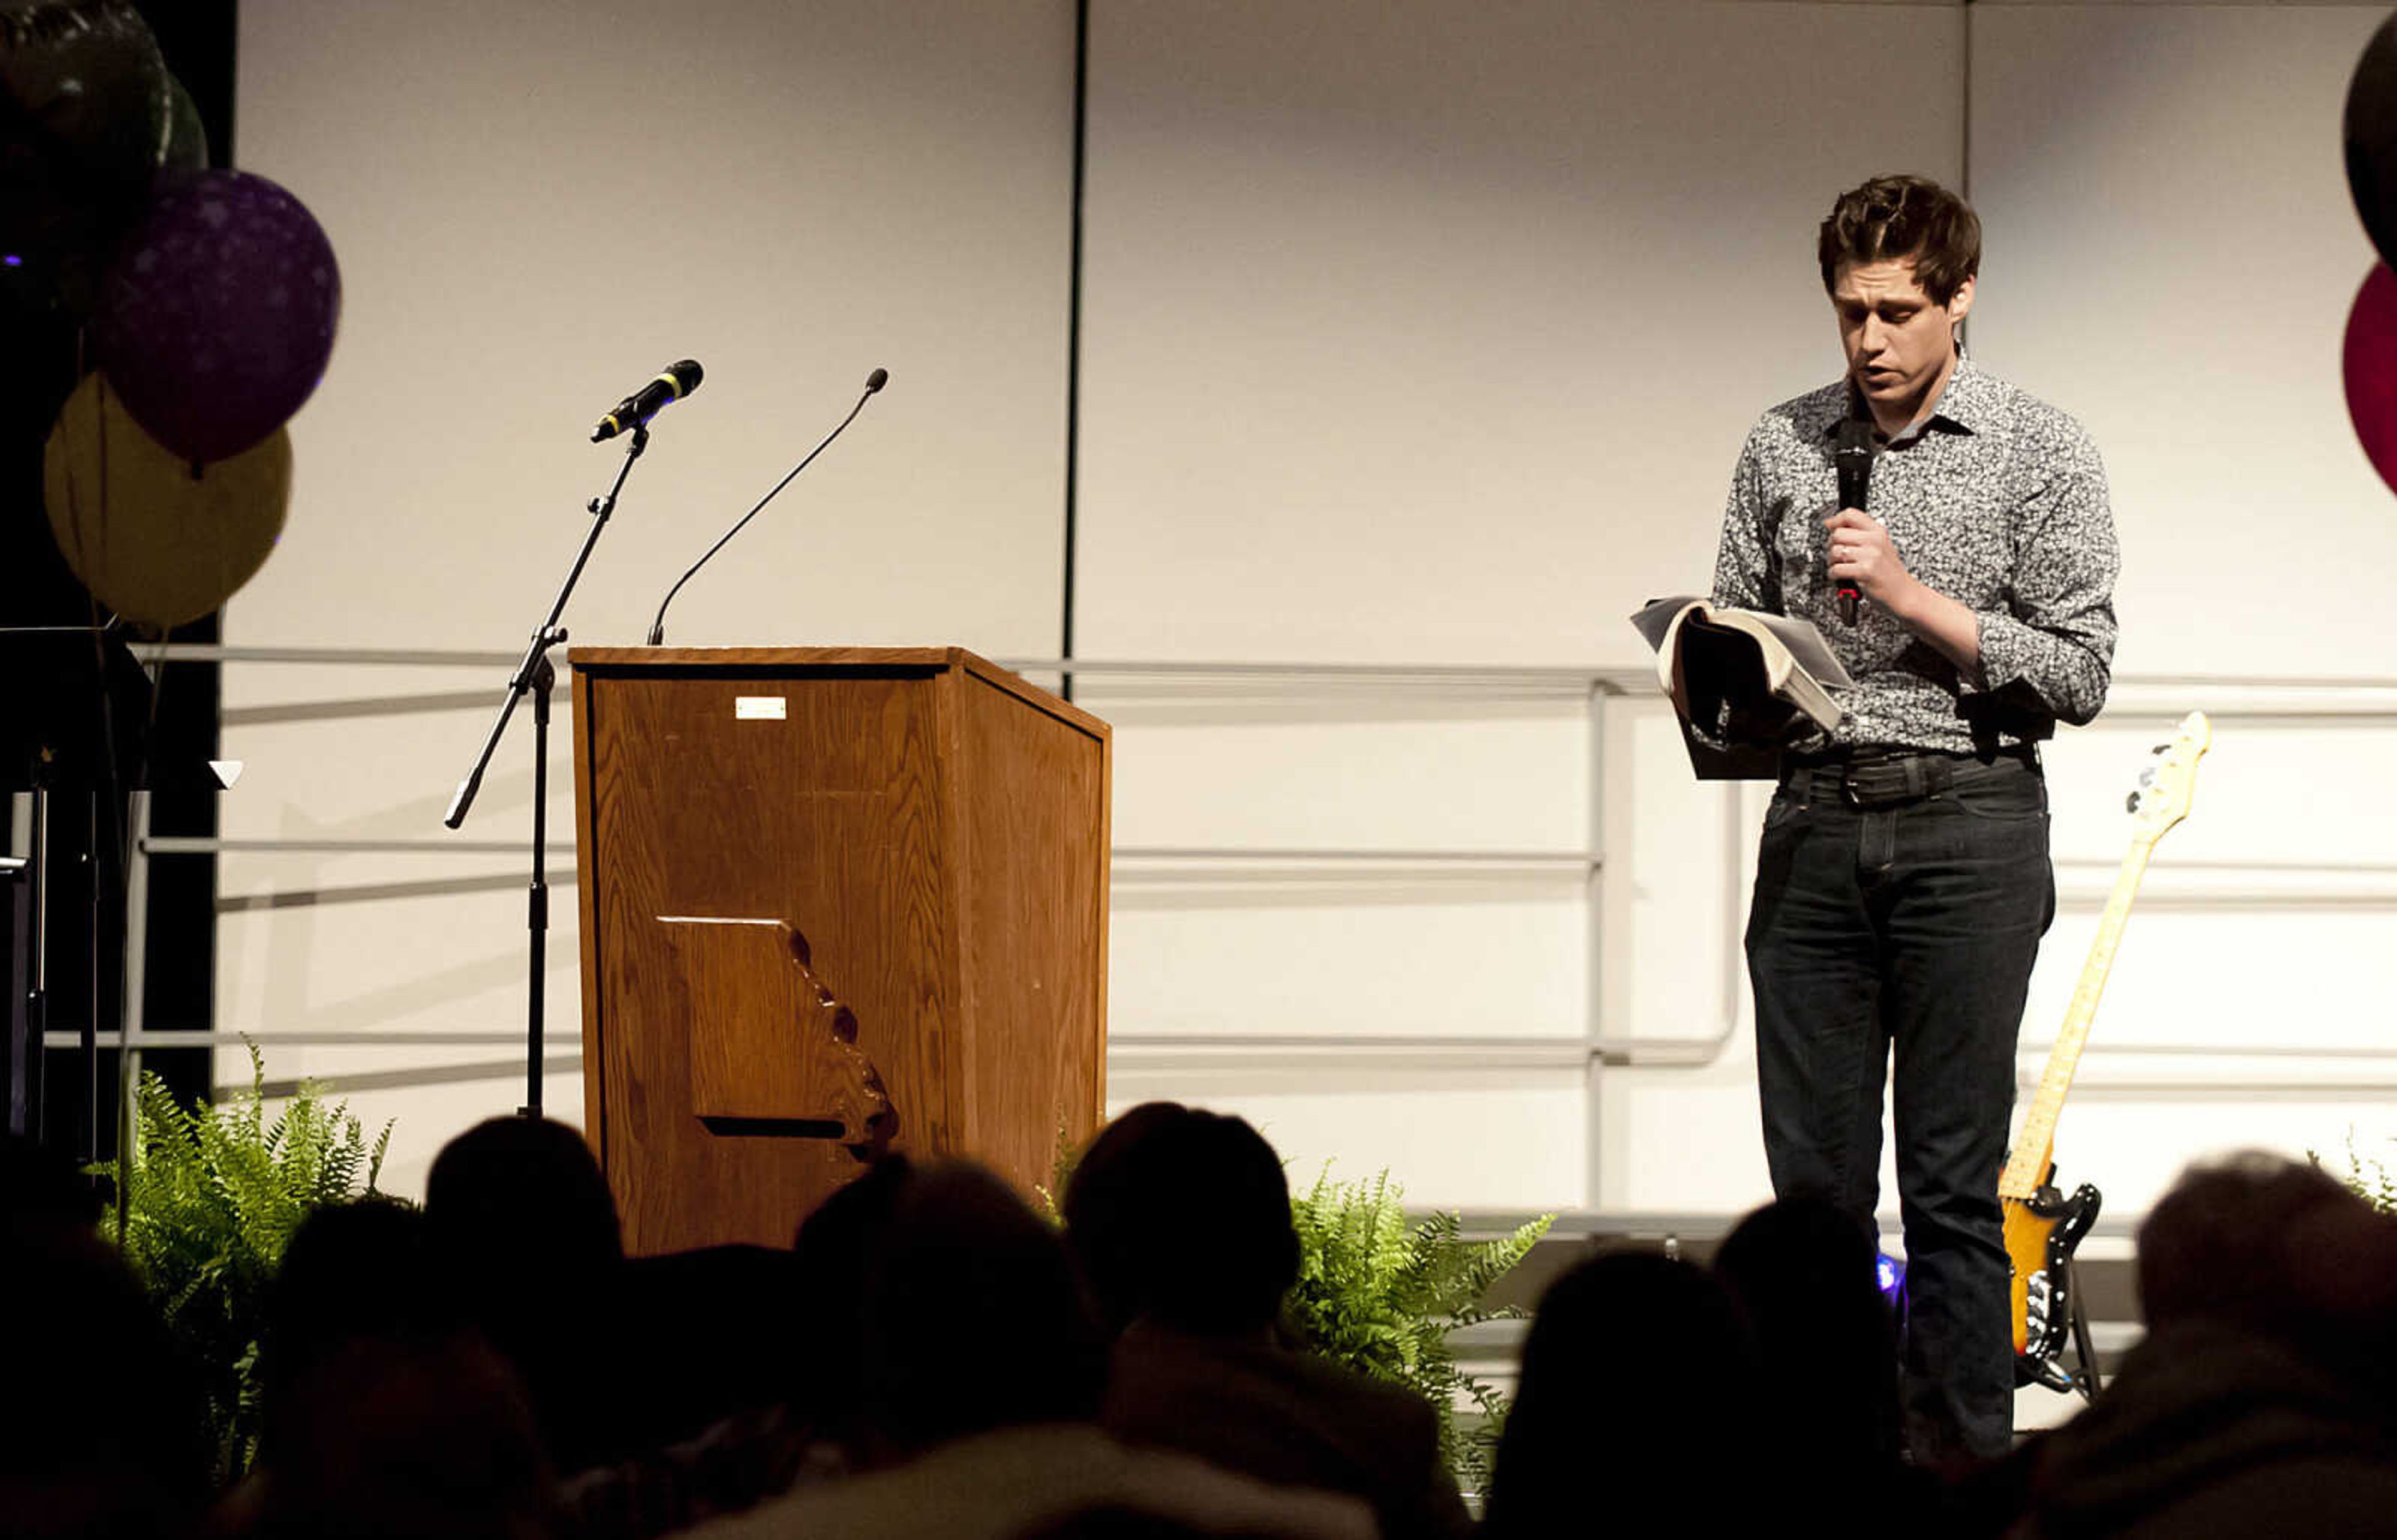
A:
[277, 845]
[1571, 863]
[1563, 862]
[1567, 1224]
[2282, 702]
[169, 1037]
[1567, 863]
[1632, 680]
[2345, 1070]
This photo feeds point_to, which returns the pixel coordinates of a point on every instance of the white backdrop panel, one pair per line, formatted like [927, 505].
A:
[536, 206]
[2171, 254]
[1460, 1138]
[1427, 330]
[1414, 331]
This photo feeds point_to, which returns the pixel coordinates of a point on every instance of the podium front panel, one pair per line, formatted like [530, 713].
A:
[928, 831]
[824, 818]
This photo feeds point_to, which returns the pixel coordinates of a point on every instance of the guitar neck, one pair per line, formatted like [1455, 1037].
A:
[2034, 1146]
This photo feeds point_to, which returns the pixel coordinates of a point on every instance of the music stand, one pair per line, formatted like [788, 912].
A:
[74, 718]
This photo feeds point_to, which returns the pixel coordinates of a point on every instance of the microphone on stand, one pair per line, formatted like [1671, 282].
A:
[873, 383]
[1853, 455]
[674, 382]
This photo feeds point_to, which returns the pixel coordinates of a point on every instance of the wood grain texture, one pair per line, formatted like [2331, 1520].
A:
[879, 658]
[913, 814]
[825, 820]
[586, 894]
[768, 1041]
[785, 660]
[1031, 694]
[1030, 809]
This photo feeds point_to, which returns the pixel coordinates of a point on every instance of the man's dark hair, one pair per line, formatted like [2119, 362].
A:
[1646, 1359]
[973, 1319]
[1889, 218]
[2271, 1245]
[1182, 1215]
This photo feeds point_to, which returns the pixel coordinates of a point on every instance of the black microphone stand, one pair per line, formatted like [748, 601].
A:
[536, 677]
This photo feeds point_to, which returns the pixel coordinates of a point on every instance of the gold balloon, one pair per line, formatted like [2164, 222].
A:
[156, 538]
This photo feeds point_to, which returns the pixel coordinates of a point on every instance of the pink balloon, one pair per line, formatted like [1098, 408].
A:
[216, 322]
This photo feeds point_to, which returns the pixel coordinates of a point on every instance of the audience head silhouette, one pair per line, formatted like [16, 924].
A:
[99, 1415]
[831, 1256]
[518, 1218]
[2260, 1400]
[2276, 1248]
[352, 1271]
[1802, 1275]
[1183, 1217]
[1642, 1358]
[973, 1319]
[422, 1439]
[522, 1192]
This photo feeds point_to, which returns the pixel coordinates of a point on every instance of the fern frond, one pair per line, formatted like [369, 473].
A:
[211, 1196]
[1380, 1294]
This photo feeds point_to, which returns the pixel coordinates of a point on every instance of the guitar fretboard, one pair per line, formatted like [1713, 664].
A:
[2035, 1145]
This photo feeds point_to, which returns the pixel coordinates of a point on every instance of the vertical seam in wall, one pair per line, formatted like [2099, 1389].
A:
[1964, 171]
[1967, 146]
[1074, 335]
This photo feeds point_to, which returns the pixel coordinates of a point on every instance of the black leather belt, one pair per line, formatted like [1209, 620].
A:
[1872, 778]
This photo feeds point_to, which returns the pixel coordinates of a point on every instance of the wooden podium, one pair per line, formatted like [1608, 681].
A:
[833, 899]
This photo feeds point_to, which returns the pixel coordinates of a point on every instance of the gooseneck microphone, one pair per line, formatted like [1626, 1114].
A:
[874, 381]
[672, 384]
[1853, 456]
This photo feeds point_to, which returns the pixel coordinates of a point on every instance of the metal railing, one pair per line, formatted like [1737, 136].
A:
[2282, 702]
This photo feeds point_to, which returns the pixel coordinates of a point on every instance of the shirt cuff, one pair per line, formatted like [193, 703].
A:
[2003, 652]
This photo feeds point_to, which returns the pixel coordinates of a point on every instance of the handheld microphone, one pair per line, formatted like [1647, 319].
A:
[672, 384]
[1853, 456]
[873, 383]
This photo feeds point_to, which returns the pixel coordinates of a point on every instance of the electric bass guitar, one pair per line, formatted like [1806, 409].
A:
[2043, 1226]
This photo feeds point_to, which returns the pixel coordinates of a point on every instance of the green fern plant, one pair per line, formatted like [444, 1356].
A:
[2367, 1178]
[209, 1198]
[1381, 1295]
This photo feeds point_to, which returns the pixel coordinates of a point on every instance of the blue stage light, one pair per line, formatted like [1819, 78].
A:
[1890, 1272]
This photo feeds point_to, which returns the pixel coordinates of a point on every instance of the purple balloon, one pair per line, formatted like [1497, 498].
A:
[216, 322]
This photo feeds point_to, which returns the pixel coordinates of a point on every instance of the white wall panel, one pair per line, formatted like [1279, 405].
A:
[1425, 330]
[1428, 332]
[1454, 1137]
[1414, 331]
[536, 206]
[2172, 253]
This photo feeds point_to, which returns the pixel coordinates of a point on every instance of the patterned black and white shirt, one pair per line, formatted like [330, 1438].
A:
[1997, 501]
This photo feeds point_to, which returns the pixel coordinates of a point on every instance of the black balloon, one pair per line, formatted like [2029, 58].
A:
[185, 146]
[86, 114]
[2372, 140]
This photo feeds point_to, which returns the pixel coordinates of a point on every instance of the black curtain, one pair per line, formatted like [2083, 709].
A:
[42, 346]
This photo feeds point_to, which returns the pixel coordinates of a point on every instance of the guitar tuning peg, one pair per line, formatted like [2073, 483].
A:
[2161, 748]
[2131, 803]
[2148, 776]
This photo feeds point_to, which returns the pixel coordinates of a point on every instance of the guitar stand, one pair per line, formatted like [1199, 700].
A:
[2087, 1380]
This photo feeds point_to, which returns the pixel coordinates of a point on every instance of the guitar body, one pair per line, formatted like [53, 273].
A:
[2042, 1234]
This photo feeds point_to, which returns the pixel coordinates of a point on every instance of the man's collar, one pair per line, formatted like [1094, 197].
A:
[1968, 401]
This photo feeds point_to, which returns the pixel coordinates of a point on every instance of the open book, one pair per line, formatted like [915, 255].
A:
[1744, 682]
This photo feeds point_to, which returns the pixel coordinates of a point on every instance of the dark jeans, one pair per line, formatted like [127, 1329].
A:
[1911, 926]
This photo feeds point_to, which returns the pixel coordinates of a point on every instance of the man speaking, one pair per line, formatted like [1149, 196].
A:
[1903, 881]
